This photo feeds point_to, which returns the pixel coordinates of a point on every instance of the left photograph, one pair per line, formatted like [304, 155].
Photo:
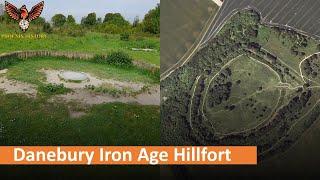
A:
[80, 73]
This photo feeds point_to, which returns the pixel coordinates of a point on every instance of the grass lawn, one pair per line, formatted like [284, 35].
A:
[27, 121]
[96, 43]
[28, 70]
[247, 77]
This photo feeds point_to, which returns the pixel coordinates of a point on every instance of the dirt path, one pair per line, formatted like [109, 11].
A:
[152, 97]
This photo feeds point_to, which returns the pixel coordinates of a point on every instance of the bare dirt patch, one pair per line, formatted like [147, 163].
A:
[151, 97]
[84, 96]
[53, 77]
[80, 93]
[16, 87]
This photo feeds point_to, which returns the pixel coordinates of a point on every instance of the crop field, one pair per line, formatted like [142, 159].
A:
[250, 84]
[182, 23]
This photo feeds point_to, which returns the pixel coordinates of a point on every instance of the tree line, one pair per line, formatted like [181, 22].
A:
[113, 23]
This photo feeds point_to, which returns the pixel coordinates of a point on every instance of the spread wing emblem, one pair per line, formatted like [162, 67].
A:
[12, 11]
[36, 11]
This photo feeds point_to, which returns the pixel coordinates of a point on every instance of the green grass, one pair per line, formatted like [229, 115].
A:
[251, 74]
[96, 43]
[27, 121]
[281, 46]
[37, 121]
[53, 89]
[28, 70]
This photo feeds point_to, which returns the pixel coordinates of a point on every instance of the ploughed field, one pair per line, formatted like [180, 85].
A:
[251, 84]
[182, 25]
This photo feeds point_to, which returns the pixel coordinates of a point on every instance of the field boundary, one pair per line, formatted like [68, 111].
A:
[69, 55]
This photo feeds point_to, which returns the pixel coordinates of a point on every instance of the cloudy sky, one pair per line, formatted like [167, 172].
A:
[79, 8]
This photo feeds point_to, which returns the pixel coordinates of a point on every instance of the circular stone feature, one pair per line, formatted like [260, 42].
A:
[73, 76]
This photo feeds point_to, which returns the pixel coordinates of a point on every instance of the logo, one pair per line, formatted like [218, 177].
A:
[22, 15]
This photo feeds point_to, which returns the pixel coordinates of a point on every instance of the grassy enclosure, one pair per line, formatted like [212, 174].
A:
[119, 97]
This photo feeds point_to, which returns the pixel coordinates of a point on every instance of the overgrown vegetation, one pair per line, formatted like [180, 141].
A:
[52, 89]
[119, 58]
[209, 81]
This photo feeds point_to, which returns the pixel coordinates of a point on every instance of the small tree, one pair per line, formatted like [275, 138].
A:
[151, 22]
[90, 20]
[58, 20]
[47, 28]
[70, 20]
[116, 19]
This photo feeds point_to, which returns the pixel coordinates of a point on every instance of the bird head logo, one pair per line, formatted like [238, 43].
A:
[23, 15]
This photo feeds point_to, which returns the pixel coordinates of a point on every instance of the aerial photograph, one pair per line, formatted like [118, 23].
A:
[79, 73]
[244, 72]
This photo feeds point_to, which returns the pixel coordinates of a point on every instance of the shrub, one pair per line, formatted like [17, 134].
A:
[124, 36]
[119, 59]
[53, 89]
[47, 28]
[77, 33]
[5, 63]
[71, 30]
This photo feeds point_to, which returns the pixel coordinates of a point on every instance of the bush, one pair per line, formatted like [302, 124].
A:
[52, 89]
[119, 59]
[5, 63]
[111, 28]
[77, 33]
[115, 58]
[47, 28]
[71, 30]
[124, 36]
